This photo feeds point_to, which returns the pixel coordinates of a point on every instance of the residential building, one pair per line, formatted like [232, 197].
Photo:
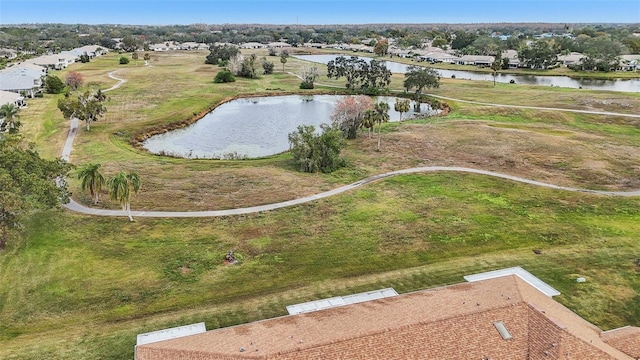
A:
[20, 82]
[573, 58]
[509, 316]
[8, 97]
[477, 60]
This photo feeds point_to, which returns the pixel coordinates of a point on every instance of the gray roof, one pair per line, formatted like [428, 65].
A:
[16, 81]
[8, 97]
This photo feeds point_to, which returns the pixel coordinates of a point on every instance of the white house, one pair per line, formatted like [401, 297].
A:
[477, 60]
[573, 58]
[8, 97]
[190, 45]
[253, 45]
[21, 83]
[278, 44]
[440, 57]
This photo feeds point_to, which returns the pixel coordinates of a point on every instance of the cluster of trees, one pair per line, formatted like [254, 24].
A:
[221, 54]
[370, 77]
[28, 183]
[313, 152]
[121, 186]
[86, 106]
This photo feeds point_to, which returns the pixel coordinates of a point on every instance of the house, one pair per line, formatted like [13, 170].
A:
[8, 54]
[93, 50]
[440, 57]
[630, 62]
[34, 70]
[512, 55]
[477, 60]
[190, 45]
[166, 46]
[253, 45]
[20, 82]
[497, 315]
[574, 58]
[278, 44]
[55, 61]
[8, 97]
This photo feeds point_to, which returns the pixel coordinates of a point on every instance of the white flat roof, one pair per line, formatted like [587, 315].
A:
[521, 273]
[172, 333]
[340, 301]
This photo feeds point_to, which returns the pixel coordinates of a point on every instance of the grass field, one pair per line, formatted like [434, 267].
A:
[75, 286]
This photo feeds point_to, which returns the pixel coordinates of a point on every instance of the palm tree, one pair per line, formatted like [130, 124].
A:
[10, 114]
[121, 186]
[92, 179]
[369, 120]
[402, 105]
[381, 115]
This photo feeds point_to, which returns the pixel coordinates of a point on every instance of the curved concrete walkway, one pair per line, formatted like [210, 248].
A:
[76, 207]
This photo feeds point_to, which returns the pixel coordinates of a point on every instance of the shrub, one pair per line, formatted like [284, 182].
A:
[124, 60]
[314, 152]
[306, 85]
[224, 76]
[53, 84]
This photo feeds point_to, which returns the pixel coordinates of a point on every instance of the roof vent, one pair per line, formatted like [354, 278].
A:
[502, 329]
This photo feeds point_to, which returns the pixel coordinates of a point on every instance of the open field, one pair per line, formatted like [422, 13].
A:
[82, 287]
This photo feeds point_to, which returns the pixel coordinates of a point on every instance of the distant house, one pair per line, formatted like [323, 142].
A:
[630, 62]
[278, 44]
[477, 60]
[8, 54]
[166, 46]
[512, 55]
[36, 70]
[190, 45]
[574, 58]
[253, 45]
[55, 61]
[8, 97]
[440, 57]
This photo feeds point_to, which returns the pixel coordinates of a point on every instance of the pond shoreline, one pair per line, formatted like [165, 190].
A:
[138, 139]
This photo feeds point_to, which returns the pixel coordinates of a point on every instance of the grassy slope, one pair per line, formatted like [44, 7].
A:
[82, 287]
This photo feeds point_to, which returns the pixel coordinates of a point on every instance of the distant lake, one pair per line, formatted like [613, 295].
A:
[254, 127]
[624, 85]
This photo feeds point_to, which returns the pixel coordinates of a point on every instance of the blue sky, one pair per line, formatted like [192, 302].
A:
[148, 12]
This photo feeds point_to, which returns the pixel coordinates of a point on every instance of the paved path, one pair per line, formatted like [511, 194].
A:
[74, 206]
[73, 124]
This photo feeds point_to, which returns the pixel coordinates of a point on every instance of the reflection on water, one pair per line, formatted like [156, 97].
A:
[626, 85]
[254, 127]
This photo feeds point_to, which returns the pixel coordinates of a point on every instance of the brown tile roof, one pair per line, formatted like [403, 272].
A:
[626, 339]
[453, 322]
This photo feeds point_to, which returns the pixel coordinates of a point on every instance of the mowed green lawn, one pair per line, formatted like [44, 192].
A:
[75, 286]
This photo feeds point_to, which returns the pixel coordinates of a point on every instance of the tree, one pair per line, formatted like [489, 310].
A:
[350, 68]
[267, 66]
[85, 107]
[495, 66]
[224, 76]
[602, 54]
[381, 111]
[249, 67]
[420, 78]
[124, 60]
[221, 54]
[283, 58]
[312, 152]
[462, 39]
[402, 106]
[369, 120]
[53, 84]
[27, 183]
[9, 114]
[92, 179]
[84, 58]
[539, 56]
[147, 57]
[73, 80]
[349, 112]
[309, 76]
[368, 77]
[134, 56]
[382, 47]
[121, 187]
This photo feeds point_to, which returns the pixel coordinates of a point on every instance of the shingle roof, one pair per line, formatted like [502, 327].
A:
[453, 322]
[627, 339]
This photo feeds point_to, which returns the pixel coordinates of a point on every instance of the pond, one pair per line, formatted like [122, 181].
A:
[254, 127]
[625, 85]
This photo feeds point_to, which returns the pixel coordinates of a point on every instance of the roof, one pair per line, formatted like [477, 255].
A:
[453, 322]
[627, 339]
[8, 97]
[25, 65]
[17, 81]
